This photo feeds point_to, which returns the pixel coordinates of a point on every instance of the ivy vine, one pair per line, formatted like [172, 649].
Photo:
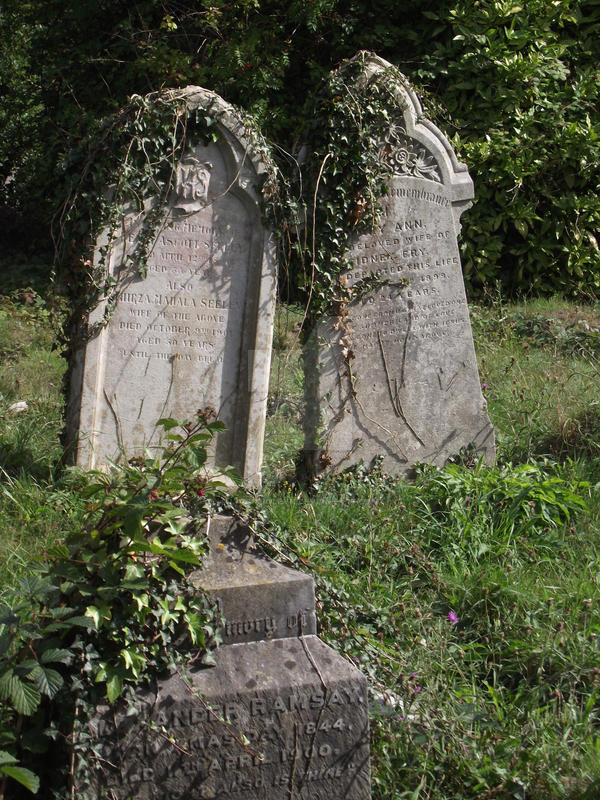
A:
[111, 607]
[127, 164]
[353, 114]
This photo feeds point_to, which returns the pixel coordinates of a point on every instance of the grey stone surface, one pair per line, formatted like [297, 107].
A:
[273, 720]
[197, 330]
[397, 377]
[258, 598]
[281, 715]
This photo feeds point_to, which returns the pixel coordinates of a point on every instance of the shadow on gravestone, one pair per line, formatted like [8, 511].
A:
[196, 331]
[396, 377]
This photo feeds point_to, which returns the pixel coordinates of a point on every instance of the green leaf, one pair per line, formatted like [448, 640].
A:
[24, 776]
[25, 697]
[113, 687]
[196, 628]
[5, 641]
[7, 758]
[132, 522]
[94, 614]
[48, 681]
[167, 423]
[133, 661]
[521, 226]
[83, 622]
[56, 655]
[7, 682]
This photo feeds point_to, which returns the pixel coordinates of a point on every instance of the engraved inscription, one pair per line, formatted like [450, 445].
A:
[269, 740]
[391, 374]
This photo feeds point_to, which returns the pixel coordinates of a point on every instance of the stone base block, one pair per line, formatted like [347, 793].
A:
[284, 719]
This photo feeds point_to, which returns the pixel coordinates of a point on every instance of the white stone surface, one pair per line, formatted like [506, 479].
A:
[196, 330]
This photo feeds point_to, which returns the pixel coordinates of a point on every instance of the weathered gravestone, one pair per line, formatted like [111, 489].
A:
[395, 375]
[280, 716]
[196, 331]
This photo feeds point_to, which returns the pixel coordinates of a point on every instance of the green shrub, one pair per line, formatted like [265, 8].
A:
[110, 607]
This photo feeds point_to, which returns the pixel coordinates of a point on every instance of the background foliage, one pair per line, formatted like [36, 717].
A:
[514, 85]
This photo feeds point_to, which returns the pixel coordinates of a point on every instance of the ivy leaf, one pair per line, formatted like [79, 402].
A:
[133, 661]
[24, 776]
[196, 628]
[94, 614]
[113, 687]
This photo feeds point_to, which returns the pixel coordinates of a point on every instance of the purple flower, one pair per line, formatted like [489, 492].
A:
[417, 689]
[484, 385]
[468, 501]
[452, 617]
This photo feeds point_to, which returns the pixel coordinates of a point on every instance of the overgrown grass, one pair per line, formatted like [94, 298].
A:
[38, 503]
[469, 597]
[471, 600]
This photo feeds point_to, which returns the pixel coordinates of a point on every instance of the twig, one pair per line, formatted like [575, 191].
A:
[72, 760]
[117, 420]
[395, 397]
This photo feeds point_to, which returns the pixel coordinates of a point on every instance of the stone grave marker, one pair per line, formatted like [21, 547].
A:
[280, 716]
[409, 391]
[196, 331]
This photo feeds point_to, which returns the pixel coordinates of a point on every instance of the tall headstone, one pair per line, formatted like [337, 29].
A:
[395, 374]
[279, 716]
[196, 330]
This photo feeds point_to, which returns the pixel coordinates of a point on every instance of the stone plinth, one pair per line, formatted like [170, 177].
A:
[280, 716]
[273, 720]
[281, 602]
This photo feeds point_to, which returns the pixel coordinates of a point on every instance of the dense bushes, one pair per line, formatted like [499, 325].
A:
[514, 85]
[520, 83]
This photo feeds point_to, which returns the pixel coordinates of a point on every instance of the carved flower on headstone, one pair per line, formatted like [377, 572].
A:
[404, 156]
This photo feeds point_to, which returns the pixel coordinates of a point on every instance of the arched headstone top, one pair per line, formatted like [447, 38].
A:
[421, 143]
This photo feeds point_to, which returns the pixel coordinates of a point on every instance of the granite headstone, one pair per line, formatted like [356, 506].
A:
[395, 375]
[196, 330]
